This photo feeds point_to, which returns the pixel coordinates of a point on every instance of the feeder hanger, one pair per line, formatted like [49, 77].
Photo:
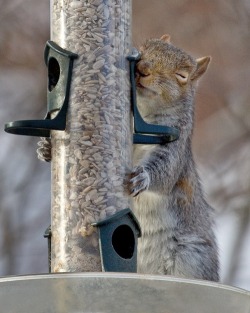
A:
[145, 133]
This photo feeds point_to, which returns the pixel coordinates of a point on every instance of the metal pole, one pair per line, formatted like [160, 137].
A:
[91, 158]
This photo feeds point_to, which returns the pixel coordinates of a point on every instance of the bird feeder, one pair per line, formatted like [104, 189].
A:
[89, 124]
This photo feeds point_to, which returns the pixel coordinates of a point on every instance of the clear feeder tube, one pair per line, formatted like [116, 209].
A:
[91, 158]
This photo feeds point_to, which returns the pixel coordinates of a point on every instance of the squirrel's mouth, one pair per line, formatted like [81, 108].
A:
[139, 85]
[145, 91]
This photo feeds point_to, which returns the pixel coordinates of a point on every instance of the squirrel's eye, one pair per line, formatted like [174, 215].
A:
[182, 77]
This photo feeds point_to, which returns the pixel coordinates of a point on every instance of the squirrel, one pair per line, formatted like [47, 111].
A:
[176, 220]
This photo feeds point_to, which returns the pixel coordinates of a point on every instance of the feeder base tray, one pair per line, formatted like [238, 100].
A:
[113, 292]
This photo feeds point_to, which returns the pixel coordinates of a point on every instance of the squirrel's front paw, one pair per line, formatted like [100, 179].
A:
[139, 180]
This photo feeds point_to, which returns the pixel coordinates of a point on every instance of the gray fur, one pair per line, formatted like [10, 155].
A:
[177, 222]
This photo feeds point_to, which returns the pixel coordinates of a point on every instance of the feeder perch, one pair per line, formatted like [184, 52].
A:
[118, 241]
[59, 62]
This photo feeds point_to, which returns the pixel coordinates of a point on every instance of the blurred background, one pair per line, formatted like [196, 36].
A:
[220, 29]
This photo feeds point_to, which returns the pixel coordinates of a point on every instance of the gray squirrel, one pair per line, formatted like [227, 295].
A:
[177, 222]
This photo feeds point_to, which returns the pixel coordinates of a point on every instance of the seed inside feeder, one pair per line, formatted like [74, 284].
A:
[91, 158]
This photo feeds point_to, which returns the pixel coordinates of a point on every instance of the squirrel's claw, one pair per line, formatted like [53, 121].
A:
[44, 150]
[139, 181]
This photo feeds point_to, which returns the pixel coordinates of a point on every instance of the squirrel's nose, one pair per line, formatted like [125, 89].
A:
[143, 68]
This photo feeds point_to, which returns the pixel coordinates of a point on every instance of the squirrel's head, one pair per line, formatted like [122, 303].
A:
[167, 72]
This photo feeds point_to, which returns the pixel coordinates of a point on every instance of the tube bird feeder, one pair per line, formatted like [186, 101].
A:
[90, 127]
[92, 156]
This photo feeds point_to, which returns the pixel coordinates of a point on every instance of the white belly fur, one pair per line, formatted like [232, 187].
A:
[156, 241]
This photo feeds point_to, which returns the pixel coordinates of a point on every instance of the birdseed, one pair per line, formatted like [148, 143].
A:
[91, 158]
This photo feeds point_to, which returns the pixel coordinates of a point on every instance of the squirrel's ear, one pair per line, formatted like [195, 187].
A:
[165, 38]
[202, 65]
